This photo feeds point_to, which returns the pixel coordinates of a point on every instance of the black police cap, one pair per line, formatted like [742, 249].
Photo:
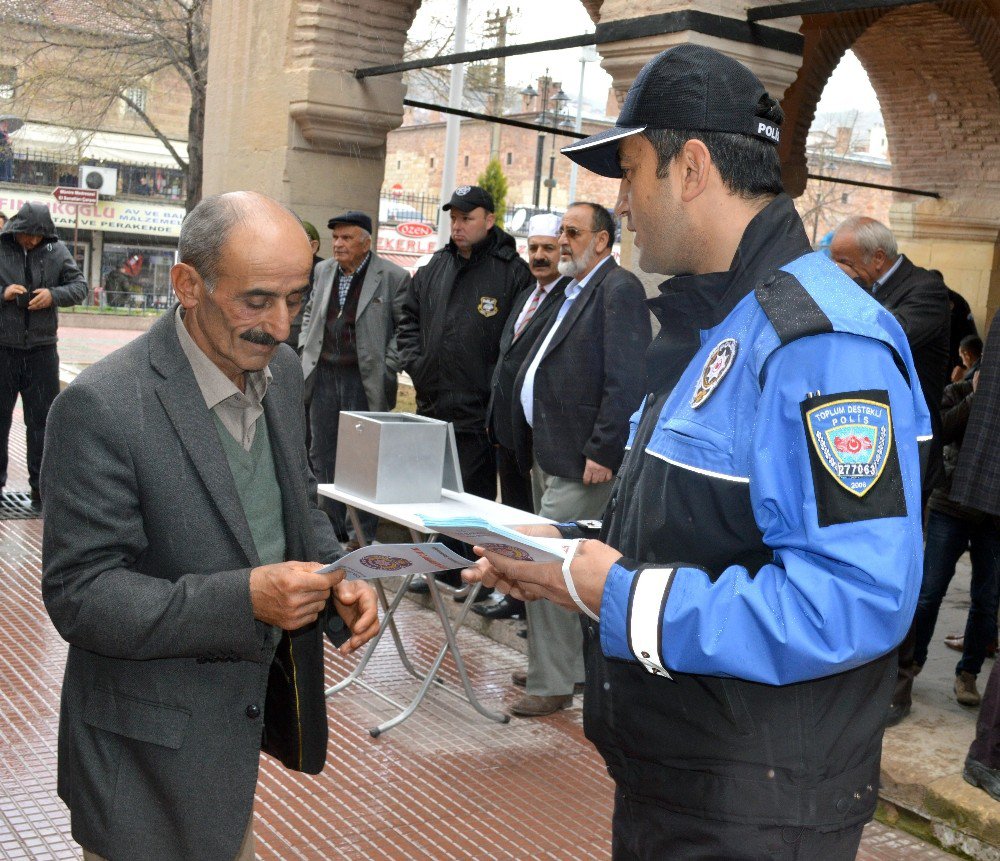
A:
[688, 87]
[468, 197]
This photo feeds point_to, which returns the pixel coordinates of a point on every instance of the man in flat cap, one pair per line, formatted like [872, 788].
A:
[348, 344]
[453, 317]
[760, 556]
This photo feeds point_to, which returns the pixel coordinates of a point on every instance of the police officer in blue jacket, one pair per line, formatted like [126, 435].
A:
[760, 556]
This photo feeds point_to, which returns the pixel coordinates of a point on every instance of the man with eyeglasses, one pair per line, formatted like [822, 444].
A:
[182, 538]
[572, 399]
[760, 556]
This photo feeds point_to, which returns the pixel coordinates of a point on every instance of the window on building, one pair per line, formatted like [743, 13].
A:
[137, 96]
[8, 81]
[466, 161]
[510, 158]
[845, 197]
[399, 164]
[432, 161]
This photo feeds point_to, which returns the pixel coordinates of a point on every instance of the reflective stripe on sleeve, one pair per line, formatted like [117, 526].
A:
[645, 623]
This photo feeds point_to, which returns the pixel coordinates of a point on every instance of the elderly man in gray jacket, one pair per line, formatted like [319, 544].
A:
[180, 553]
[348, 346]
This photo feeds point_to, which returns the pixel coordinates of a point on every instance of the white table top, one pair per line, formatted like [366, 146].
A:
[450, 504]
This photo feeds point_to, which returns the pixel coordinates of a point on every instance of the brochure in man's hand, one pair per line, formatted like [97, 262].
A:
[500, 539]
[394, 560]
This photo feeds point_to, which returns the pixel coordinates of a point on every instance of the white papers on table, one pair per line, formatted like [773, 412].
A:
[500, 539]
[394, 560]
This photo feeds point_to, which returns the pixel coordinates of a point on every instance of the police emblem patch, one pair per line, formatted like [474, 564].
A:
[719, 361]
[853, 439]
[488, 306]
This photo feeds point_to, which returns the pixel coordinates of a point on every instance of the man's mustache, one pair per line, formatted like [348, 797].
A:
[259, 336]
[541, 263]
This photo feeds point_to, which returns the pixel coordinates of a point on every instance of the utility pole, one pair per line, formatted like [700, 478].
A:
[497, 30]
[452, 127]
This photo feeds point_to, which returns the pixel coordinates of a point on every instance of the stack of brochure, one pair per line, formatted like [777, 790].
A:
[501, 540]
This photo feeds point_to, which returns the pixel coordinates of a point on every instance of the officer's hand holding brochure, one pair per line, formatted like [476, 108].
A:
[502, 540]
[393, 560]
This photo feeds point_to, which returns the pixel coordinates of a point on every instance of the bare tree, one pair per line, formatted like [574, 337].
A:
[85, 57]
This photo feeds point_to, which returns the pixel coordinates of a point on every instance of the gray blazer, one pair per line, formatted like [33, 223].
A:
[380, 306]
[146, 558]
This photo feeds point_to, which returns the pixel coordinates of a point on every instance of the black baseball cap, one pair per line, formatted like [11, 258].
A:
[468, 197]
[359, 219]
[687, 87]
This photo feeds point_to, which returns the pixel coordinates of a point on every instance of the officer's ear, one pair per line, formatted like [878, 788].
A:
[695, 163]
[491, 219]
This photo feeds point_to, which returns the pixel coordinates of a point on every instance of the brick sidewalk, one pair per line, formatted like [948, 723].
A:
[446, 784]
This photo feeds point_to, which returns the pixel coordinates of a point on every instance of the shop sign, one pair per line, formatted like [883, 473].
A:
[119, 216]
[415, 238]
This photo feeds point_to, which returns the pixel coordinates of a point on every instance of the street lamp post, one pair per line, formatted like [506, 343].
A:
[560, 100]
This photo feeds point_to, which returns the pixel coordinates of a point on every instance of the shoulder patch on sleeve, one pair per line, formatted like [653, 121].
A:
[855, 468]
[790, 309]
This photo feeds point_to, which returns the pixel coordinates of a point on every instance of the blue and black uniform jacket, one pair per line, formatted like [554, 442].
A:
[768, 513]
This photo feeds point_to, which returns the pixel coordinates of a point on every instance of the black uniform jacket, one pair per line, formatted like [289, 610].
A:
[724, 748]
[449, 336]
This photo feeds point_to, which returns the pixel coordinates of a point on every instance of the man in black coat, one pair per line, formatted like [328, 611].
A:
[449, 335]
[572, 400]
[976, 484]
[37, 274]
[918, 298]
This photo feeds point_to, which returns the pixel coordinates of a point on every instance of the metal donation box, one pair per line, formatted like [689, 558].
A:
[396, 457]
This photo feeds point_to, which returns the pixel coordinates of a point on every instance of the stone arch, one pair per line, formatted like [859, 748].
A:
[936, 70]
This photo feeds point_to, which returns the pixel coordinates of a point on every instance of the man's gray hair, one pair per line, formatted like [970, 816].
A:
[871, 235]
[205, 232]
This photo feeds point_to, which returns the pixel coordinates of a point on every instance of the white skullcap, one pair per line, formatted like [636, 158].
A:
[543, 224]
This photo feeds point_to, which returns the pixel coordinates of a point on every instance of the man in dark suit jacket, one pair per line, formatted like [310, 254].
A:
[181, 540]
[520, 332]
[573, 397]
[918, 298]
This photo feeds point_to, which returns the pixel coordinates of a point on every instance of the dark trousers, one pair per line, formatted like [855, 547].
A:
[515, 486]
[336, 388]
[641, 831]
[947, 539]
[34, 375]
[477, 463]
[986, 747]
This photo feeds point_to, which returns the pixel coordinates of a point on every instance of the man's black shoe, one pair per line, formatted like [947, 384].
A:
[36, 498]
[508, 608]
[896, 713]
[418, 586]
[986, 778]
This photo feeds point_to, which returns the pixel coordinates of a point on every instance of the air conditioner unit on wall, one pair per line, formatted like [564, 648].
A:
[104, 180]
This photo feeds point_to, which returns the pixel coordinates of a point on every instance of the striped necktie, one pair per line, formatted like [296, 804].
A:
[529, 312]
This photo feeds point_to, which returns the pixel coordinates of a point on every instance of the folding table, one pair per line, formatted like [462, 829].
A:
[450, 504]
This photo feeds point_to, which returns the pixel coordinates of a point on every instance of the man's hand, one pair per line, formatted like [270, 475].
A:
[594, 473]
[12, 291]
[41, 300]
[357, 605]
[528, 581]
[289, 594]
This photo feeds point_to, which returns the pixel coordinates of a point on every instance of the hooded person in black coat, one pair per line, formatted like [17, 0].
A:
[37, 274]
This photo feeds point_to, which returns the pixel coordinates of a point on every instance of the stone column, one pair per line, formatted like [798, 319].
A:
[286, 116]
[963, 242]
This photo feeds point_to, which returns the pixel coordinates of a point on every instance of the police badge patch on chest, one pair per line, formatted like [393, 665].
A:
[851, 442]
[719, 361]
[488, 305]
